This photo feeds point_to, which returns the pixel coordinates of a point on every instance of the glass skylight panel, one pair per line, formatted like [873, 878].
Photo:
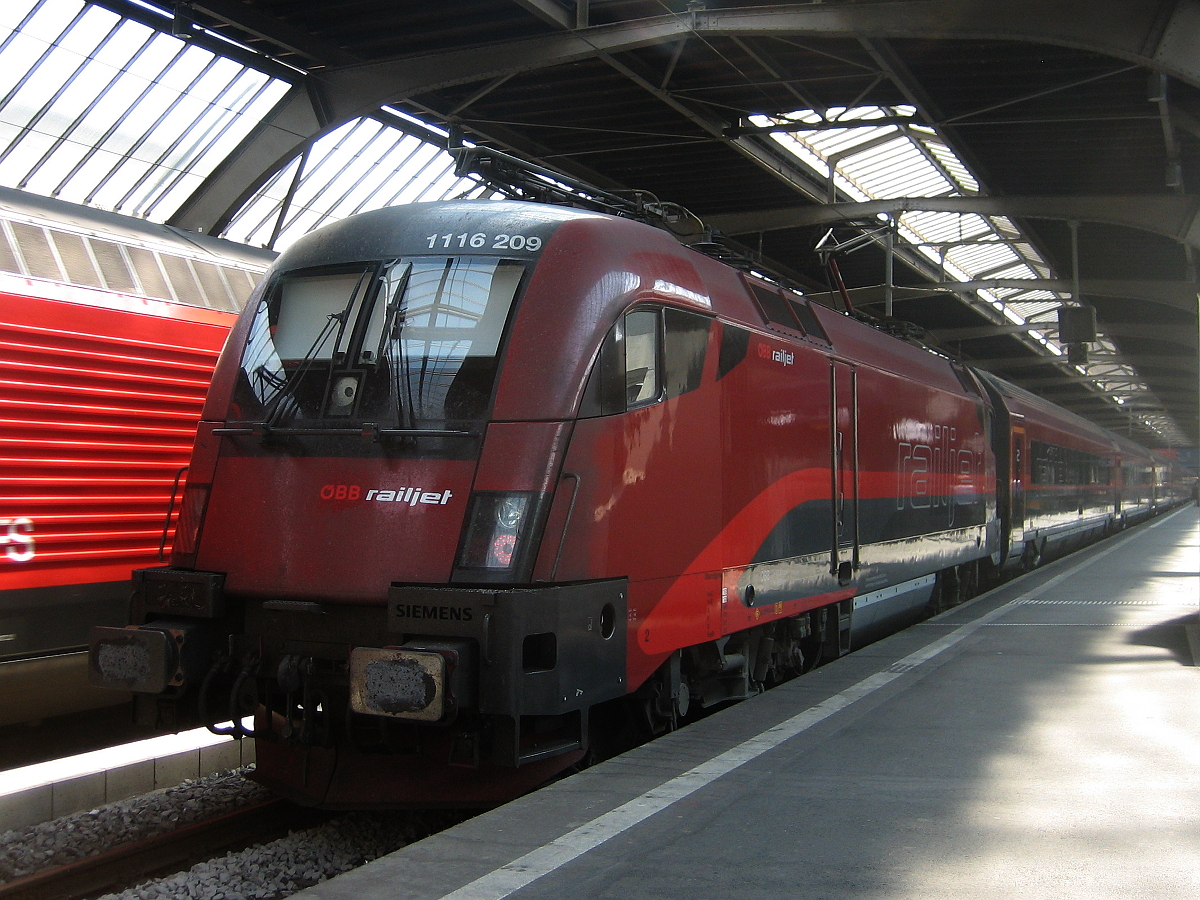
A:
[982, 258]
[1018, 271]
[1006, 294]
[940, 227]
[105, 111]
[887, 161]
[805, 154]
[1036, 308]
[896, 170]
[1012, 315]
[838, 141]
[805, 116]
[1005, 225]
[936, 227]
[953, 165]
[849, 188]
[1030, 296]
[363, 165]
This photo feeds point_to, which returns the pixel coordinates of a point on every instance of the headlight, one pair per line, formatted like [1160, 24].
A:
[495, 528]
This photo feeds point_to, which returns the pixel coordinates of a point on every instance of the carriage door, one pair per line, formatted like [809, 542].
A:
[843, 449]
[1116, 479]
[1018, 476]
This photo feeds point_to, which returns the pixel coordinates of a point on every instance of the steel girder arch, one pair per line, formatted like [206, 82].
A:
[1138, 361]
[1159, 34]
[1174, 216]
[1167, 334]
[1181, 295]
[1176, 386]
[1163, 334]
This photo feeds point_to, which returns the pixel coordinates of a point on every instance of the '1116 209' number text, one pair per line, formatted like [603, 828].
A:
[479, 239]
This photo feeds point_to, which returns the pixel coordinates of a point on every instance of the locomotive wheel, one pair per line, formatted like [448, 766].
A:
[968, 580]
[987, 574]
[1032, 557]
[945, 592]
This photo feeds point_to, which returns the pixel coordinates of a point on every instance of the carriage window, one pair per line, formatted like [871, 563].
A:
[1055, 465]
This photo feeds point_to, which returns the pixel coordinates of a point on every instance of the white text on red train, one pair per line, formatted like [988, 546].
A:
[16, 536]
[786, 357]
[412, 496]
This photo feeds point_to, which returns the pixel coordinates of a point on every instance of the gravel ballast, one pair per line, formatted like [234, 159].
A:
[263, 872]
[80, 835]
[287, 865]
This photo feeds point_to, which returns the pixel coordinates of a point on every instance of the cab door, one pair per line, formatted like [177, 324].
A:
[1019, 477]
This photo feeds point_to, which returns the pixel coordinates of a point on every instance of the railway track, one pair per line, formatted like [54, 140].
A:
[132, 863]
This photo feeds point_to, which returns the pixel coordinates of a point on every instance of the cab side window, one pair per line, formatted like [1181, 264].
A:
[642, 350]
[684, 350]
[651, 354]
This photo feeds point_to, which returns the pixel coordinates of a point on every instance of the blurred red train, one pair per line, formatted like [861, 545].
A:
[109, 331]
[479, 483]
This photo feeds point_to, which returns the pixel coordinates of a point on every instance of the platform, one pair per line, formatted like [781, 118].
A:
[1040, 741]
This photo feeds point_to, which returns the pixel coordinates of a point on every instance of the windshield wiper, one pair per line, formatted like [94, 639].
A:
[395, 304]
[288, 386]
[396, 359]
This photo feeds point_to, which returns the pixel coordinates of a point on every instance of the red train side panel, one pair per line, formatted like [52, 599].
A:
[100, 400]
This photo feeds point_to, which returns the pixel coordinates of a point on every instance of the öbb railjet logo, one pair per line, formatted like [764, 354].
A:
[412, 496]
[785, 357]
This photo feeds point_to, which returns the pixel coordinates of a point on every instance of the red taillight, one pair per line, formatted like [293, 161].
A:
[496, 524]
[187, 529]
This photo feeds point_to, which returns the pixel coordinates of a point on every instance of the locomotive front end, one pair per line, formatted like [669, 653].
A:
[353, 561]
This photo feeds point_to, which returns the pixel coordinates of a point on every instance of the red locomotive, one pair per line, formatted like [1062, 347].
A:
[476, 478]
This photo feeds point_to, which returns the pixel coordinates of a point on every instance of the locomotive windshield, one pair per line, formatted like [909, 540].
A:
[407, 344]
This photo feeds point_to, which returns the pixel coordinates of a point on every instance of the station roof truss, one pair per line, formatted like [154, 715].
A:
[1008, 158]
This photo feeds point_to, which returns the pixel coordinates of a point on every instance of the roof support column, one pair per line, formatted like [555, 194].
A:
[889, 292]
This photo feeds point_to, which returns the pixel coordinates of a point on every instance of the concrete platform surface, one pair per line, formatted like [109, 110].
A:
[1041, 741]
